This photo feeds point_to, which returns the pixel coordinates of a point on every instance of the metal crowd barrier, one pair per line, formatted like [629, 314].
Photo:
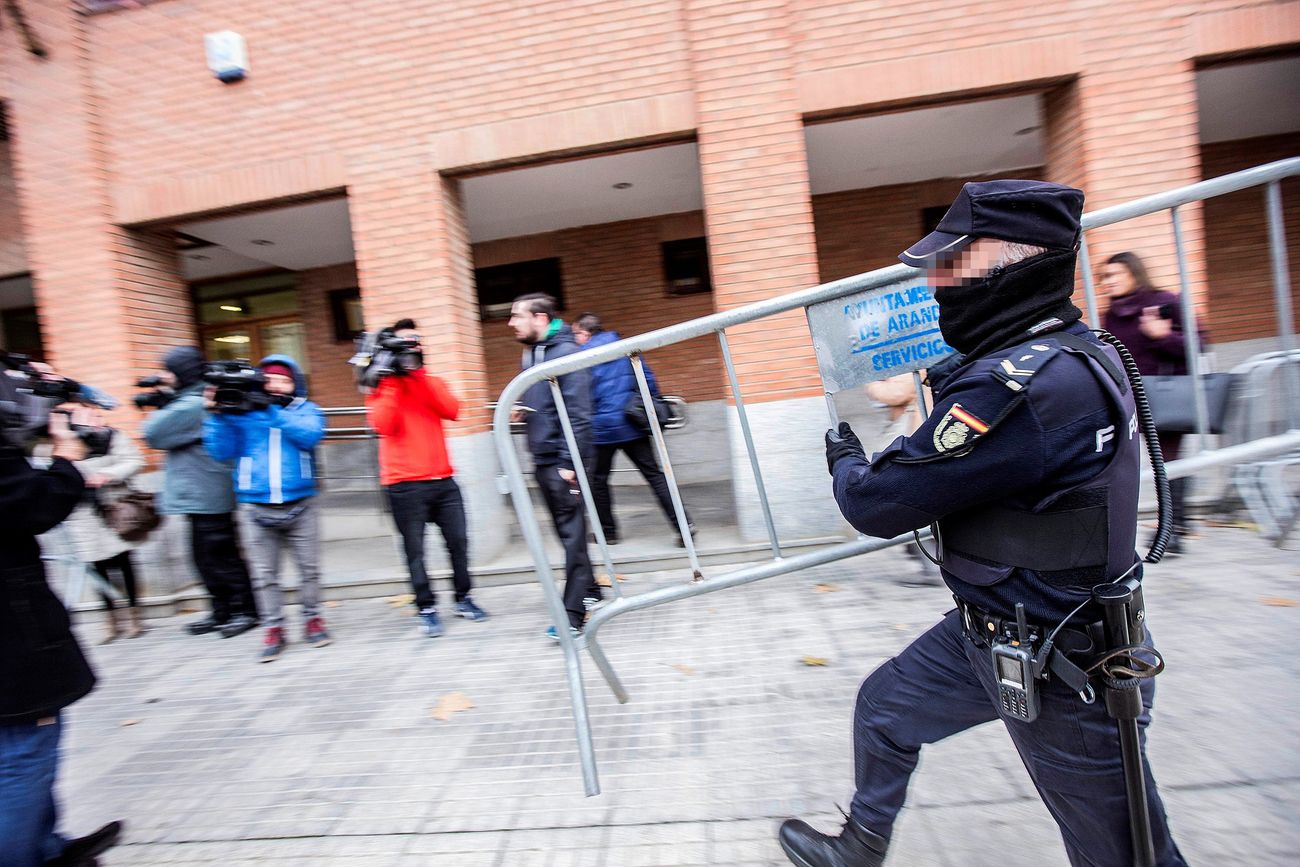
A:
[717, 325]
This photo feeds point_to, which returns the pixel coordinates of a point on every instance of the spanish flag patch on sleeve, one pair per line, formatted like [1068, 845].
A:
[959, 427]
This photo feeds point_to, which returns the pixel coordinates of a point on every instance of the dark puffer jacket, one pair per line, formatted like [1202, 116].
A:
[612, 386]
[42, 668]
[545, 436]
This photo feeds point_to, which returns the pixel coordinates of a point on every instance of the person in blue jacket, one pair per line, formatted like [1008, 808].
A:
[1028, 467]
[275, 483]
[613, 385]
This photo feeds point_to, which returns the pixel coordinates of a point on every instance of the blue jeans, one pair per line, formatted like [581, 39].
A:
[29, 762]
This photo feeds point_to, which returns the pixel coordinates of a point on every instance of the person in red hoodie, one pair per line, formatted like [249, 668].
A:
[408, 409]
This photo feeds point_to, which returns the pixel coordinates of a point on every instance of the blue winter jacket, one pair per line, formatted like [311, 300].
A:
[273, 448]
[612, 386]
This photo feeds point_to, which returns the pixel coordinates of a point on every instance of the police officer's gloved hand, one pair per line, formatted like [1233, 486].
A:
[842, 443]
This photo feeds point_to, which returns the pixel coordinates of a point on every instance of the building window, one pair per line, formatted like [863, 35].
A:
[686, 266]
[500, 285]
[345, 308]
[251, 319]
[20, 332]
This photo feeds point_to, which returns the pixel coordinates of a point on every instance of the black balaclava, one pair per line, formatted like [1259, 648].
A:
[186, 363]
[999, 309]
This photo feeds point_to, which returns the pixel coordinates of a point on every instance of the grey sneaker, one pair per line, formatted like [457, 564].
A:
[431, 624]
[468, 609]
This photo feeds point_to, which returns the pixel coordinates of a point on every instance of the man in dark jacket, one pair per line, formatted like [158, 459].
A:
[200, 488]
[613, 386]
[546, 337]
[1028, 465]
[42, 668]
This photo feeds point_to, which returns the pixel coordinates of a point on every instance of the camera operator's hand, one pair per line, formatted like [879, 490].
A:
[842, 443]
[98, 480]
[67, 444]
[210, 397]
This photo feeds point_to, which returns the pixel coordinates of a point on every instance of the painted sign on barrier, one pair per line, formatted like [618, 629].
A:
[876, 334]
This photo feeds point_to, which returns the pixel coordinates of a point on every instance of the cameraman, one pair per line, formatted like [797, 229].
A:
[408, 409]
[199, 487]
[42, 668]
[275, 479]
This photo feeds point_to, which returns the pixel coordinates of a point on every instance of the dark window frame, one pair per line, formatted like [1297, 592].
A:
[686, 259]
[339, 299]
[497, 286]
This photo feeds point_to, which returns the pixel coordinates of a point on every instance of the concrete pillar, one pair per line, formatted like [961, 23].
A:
[758, 215]
[413, 261]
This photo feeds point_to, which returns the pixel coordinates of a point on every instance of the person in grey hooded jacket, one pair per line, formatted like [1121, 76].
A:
[202, 489]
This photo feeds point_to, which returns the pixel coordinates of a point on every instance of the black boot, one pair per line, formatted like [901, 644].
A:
[854, 847]
[82, 851]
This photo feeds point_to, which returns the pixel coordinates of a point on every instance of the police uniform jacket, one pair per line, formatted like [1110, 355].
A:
[1030, 456]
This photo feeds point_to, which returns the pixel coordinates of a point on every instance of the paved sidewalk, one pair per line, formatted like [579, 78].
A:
[332, 757]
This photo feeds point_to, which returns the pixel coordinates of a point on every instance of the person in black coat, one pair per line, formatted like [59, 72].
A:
[42, 668]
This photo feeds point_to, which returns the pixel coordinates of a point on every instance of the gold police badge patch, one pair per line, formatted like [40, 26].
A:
[958, 427]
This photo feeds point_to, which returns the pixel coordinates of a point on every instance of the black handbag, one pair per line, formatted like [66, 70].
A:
[636, 416]
[1173, 402]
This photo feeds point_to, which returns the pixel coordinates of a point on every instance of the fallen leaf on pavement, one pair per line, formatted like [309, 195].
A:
[827, 588]
[1279, 602]
[401, 600]
[713, 611]
[814, 660]
[603, 579]
[130, 722]
[333, 603]
[684, 669]
[452, 702]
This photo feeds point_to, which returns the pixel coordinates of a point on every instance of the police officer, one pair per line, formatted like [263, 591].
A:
[1028, 466]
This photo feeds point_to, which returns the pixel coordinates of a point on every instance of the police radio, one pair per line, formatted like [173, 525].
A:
[1015, 668]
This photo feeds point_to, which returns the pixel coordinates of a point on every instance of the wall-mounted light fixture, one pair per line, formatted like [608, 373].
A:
[227, 55]
[231, 308]
[233, 338]
[262, 242]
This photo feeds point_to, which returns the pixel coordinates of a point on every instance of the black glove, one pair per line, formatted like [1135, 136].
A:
[842, 443]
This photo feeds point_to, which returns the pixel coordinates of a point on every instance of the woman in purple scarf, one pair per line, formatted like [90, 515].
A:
[1149, 321]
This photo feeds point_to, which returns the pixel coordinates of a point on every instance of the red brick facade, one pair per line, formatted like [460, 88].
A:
[122, 128]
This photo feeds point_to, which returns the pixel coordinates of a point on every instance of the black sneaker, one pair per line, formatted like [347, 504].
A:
[238, 625]
[204, 626]
[854, 847]
[82, 851]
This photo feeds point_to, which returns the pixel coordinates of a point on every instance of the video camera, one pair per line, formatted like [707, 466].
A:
[240, 387]
[28, 397]
[382, 353]
[159, 394]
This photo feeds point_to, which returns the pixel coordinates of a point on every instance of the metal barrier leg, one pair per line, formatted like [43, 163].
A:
[657, 434]
[546, 577]
[1282, 298]
[588, 502]
[1191, 339]
[607, 671]
[743, 418]
[1089, 285]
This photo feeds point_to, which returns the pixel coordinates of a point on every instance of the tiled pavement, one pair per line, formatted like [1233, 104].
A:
[332, 756]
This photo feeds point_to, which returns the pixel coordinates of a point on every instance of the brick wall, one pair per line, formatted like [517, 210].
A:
[1238, 269]
[331, 377]
[614, 270]
[13, 251]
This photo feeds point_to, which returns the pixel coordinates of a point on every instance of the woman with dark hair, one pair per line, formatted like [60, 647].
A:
[1149, 321]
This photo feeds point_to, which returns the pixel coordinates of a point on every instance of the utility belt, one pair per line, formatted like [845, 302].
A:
[1022, 654]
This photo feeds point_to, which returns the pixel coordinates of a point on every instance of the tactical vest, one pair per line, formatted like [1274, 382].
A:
[1079, 535]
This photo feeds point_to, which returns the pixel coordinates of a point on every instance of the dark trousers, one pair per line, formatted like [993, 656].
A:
[432, 501]
[123, 566]
[943, 684]
[642, 454]
[564, 501]
[215, 544]
[1170, 447]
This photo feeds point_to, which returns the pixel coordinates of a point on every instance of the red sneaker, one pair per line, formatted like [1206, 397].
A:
[317, 636]
[274, 644]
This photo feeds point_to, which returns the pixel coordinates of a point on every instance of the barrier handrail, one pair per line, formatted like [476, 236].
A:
[718, 323]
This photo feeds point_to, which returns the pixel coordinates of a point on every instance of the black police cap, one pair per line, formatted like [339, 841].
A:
[1025, 212]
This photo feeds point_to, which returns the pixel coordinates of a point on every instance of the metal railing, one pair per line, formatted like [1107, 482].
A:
[717, 325]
